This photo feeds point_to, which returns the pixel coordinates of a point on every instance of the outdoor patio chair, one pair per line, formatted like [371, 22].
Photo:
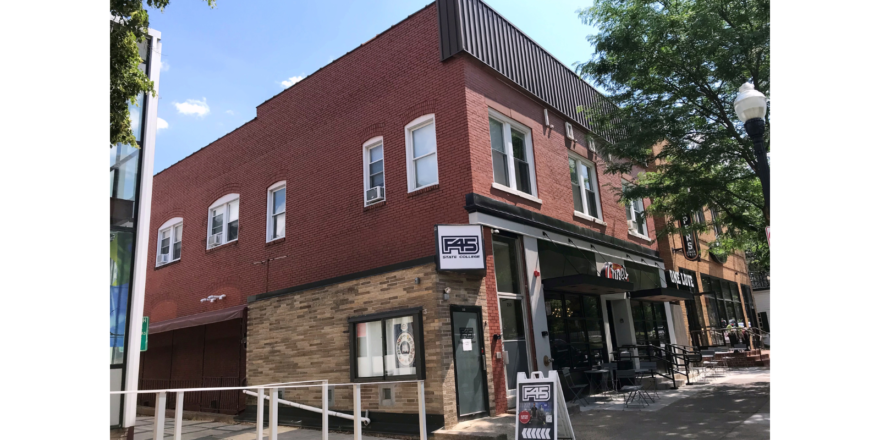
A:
[649, 368]
[576, 389]
[633, 394]
[612, 374]
[709, 362]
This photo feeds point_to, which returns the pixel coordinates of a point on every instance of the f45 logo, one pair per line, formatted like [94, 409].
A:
[536, 393]
[465, 245]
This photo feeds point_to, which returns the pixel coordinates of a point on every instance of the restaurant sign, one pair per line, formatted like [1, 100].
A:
[680, 279]
[691, 247]
[614, 271]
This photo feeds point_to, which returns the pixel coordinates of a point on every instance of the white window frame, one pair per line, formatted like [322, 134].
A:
[594, 179]
[269, 214]
[169, 226]
[508, 150]
[632, 213]
[410, 160]
[377, 141]
[224, 202]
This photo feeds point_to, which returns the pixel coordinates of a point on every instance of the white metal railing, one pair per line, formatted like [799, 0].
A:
[272, 397]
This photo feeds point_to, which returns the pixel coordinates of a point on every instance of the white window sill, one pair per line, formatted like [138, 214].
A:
[508, 190]
[590, 218]
[636, 234]
[274, 239]
[221, 244]
[165, 264]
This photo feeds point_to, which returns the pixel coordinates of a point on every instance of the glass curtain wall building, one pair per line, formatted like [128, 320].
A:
[131, 170]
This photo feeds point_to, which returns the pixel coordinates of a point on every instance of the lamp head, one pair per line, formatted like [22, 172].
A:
[750, 103]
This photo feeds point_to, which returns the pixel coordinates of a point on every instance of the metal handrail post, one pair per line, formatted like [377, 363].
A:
[273, 413]
[261, 393]
[357, 411]
[178, 416]
[423, 430]
[159, 416]
[325, 432]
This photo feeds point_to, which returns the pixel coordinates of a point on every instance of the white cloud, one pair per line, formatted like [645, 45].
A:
[230, 112]
[164, 66]
[193, 107]
[291, 81]
[161, 124]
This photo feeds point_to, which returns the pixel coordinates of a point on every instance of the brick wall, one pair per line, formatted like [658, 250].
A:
[487, 89]
[305, 336]
[311, 135]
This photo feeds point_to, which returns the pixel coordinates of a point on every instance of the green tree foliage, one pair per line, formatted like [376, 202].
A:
[127, 81]
[672, 68]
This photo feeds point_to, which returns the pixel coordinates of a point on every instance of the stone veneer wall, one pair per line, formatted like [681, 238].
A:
[305, 336]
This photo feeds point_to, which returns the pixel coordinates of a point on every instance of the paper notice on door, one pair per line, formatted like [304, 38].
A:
[466, 345]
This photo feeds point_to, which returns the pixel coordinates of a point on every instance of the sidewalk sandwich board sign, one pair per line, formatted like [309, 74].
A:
[540, 408]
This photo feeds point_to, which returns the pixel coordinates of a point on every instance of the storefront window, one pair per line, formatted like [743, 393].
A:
[577, 330]
[387, 347]
[507, 278]
[649, 320]
[558, 260]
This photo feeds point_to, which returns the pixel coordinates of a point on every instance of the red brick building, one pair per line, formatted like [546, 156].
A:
[302, 245]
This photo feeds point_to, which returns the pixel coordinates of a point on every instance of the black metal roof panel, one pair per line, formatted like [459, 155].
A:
[473, 27]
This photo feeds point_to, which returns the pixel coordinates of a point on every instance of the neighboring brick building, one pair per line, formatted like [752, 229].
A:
[309, 232]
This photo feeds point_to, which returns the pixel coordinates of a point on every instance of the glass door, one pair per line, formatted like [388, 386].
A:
[470, 360]
[508, 282]
[513, 340]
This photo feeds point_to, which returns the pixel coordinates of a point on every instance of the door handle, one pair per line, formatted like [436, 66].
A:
[483, 363]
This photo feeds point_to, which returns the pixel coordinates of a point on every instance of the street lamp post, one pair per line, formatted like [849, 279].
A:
[751, 107]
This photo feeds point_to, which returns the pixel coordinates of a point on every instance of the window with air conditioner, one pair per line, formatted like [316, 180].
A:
[513, 163]
[421, 152]
[374, 171]
[223, 221]
[584, 187]
[635, 218]
[170, 241]
[715, 225]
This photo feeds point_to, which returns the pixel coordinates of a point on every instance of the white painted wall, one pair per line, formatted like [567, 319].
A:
[762, 302]
[536, 298]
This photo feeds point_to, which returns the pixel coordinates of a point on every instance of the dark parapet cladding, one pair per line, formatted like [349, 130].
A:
[662, 294]
[586, 284]
[473, 27]
[480, 203]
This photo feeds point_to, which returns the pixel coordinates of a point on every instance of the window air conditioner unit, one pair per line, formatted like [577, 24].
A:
[163, 258]
[375, 194]
[215, 240]
[569, 131]
[632, 225]
[591, 144]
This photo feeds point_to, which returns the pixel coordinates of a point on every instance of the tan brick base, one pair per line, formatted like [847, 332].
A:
[305, 336]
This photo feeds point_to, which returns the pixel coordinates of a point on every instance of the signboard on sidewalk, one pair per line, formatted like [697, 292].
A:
[145, 328]
[540, 408]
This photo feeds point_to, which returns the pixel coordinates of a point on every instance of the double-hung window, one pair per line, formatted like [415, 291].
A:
[715, 225]
[699, 217]
[635, 218]
[513, 163]
[170, 241]
[276, 211]
[387, 346]
[223, 220]
[421, 150]
[374, 171]
[584, 187]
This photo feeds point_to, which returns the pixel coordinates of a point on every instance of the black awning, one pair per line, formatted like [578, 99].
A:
[588, 284]
[662, 294]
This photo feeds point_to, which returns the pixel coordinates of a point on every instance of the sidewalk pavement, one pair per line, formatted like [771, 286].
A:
[736, 406]
[201, 430]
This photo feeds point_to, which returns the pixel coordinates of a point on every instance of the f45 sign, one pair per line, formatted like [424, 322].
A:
[459, 248]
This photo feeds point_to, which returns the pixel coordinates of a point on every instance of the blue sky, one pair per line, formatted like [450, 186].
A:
[219, 64]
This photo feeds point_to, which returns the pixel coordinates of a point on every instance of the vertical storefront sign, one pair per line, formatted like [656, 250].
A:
[690, 243]
[540, 409]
